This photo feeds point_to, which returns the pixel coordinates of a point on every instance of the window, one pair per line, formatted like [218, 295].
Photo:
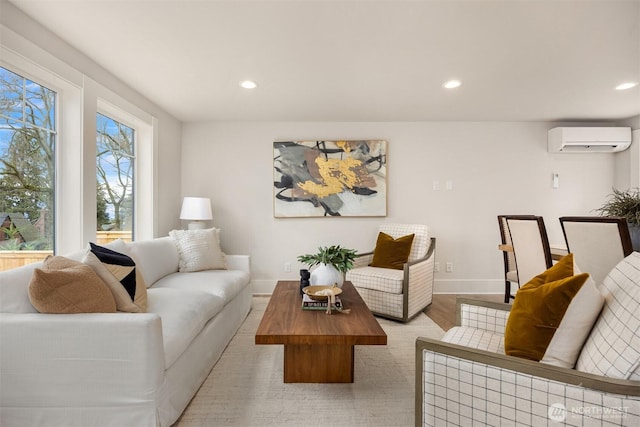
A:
[27, 165]
[115, 160]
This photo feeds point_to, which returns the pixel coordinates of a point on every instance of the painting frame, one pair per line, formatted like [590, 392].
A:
[330, 178]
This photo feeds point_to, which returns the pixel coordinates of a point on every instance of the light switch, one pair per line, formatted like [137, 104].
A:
[556, 180]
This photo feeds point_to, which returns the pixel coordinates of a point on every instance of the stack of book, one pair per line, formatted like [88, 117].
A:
[310, 304]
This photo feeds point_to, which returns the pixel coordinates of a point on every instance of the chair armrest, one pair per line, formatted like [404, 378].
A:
[510, 390]
[363, 259]
[485, 315]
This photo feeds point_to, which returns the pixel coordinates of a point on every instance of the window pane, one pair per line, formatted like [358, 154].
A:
[114, 172]
[27, 169]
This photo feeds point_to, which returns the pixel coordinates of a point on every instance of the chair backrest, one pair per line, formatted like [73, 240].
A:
[505, 236]
[598, 243]
[530, 245]
[421, 240]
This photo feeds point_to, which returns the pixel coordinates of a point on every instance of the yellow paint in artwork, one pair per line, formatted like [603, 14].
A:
[336, 175]
[344, 145]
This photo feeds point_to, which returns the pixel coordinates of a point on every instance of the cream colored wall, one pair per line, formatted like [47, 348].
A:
[495, 168]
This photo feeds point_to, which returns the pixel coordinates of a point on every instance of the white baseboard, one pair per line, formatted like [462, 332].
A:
[263, 287]
[452, 286]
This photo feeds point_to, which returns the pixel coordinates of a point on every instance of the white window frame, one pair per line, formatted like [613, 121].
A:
[78, 100]
[67, 151]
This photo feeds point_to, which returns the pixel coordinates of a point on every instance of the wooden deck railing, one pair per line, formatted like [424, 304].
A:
[14, 259]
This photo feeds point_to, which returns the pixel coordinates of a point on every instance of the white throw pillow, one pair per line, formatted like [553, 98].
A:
[199, 249]
[576, 324]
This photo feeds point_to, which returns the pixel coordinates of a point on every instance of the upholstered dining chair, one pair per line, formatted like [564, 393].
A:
[530, 245]
[402, 292]
[598, 243]
[510, 271]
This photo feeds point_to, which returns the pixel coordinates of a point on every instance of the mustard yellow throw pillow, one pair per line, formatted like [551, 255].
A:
[390, 252]
[539, 308]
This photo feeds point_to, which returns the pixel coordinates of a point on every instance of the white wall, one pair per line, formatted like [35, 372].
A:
[496, 168]
[628, 161]
[35, 44]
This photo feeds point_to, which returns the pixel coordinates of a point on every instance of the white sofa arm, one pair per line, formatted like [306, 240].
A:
[485, 315]
[239, 262]
[59, 361]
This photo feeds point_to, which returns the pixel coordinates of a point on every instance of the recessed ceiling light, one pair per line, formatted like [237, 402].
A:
[452, 84]
[248, 84]
[627, 85]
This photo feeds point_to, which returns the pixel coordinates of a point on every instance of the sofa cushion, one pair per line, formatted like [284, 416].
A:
[378, 279]
[539, 308]
[65, 286]
[119, 271]
[198, 249]
[184, 313]
[14, 289]
[156, 258]
[613, 347]
[225, 284]
[390, 252]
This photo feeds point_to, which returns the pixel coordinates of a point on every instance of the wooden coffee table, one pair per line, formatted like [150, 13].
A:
[318, 348]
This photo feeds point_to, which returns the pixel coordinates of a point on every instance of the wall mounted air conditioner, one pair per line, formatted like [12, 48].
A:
[588, 139]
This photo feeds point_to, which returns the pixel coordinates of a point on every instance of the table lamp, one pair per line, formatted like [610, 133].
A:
[197, 210]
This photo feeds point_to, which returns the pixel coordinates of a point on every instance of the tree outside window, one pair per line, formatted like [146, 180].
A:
[27, 164]
[115, 161]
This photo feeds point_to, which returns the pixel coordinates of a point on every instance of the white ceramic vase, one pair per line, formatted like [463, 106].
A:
[326, 275]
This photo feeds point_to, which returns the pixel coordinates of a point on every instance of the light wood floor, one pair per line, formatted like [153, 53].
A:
[443, 308]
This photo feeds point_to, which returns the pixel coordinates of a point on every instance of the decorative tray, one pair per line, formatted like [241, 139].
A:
[318, 293]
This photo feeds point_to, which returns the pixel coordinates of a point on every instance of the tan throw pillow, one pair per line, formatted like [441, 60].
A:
[539, 308]
[390, 252]
[64, 286]
[119, 272]
[199, 250]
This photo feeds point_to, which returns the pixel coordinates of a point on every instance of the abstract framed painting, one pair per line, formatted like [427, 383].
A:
[330, 178]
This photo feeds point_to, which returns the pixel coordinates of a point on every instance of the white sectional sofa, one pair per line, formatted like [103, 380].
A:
[119, 369]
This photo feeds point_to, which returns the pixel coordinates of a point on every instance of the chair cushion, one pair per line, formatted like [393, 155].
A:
[199, 249]
[390, 252]
[421, 241]
[376, 278]
[613, 347]
[65, 286]
[539, 308]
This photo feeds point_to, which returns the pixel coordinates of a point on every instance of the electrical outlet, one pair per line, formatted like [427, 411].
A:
[436, 267]
[436, 185]
[287, 267]
[449, 267]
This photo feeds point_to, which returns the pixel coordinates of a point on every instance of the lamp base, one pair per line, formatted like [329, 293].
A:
[197, 225]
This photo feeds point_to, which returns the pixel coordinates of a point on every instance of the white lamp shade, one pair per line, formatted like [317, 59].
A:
[196, 209]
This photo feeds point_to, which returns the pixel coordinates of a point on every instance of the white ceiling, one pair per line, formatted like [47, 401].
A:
[363, 60]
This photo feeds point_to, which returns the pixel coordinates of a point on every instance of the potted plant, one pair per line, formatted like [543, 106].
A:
[332, 262]
[625, 204]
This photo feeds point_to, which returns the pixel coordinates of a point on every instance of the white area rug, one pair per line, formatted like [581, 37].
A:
[245, 388]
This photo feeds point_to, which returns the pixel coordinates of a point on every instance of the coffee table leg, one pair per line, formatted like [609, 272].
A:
[318, 363]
